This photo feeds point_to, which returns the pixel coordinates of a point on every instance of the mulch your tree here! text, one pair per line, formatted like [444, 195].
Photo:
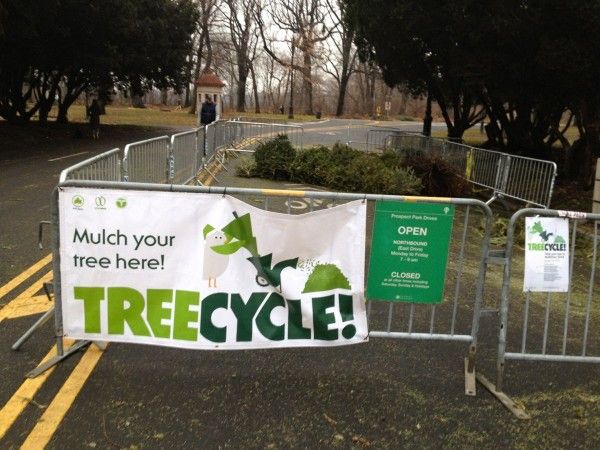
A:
[117, 238]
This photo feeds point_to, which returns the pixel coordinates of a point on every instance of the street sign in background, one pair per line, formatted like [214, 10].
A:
[409, 252]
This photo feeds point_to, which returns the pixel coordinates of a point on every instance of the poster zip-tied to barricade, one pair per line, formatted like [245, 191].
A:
[546, 254]
[208, 271]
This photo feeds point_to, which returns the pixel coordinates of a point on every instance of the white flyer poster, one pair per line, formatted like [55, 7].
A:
[546, 254]
[208, 271]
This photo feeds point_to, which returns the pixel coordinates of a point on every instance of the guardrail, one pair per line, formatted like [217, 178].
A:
[177, 159]
[554, 326]
[250, 134]
[183, 161]
[526, 179]
[106, 166]
[456, 319]
[147, 161]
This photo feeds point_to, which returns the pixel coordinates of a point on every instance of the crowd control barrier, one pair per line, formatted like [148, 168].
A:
[178, 159]
[533, 326]
[455, 319]
[525, 179]
[185, 160]
[147, 161]
[537, 324]
[106, 166]
[250, 134]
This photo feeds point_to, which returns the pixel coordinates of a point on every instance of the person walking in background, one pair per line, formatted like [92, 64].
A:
[208, 113]
[93, 114]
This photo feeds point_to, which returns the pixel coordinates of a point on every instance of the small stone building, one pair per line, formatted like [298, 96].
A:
[209, 85]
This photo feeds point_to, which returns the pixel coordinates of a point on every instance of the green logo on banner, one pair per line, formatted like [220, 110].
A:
[121, 203]
[409, 252]
[77, 201]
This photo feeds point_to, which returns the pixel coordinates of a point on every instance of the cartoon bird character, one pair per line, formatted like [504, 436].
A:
[215, 263]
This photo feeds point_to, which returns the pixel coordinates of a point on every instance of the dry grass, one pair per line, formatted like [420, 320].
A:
[160, 116]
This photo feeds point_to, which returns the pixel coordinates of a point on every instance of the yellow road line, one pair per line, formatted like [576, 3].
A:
[24, 275]
[47, 425]
[19, 302]
[283, 192]
[28, 306]
[413, 198]
[24, 395]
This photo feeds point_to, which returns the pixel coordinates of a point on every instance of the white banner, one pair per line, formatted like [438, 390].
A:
[546, 255]
[208, 271]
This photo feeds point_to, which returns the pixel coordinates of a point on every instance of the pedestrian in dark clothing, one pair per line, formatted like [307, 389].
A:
[93, 113]
[208, 113]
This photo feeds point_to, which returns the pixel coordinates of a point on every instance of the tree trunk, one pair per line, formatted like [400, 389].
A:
[255, 90]
[62, 116]
[241, 90]
[307, 84]
[339, 110]
[428, 119]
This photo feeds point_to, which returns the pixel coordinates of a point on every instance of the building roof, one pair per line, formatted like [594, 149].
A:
[209, 79]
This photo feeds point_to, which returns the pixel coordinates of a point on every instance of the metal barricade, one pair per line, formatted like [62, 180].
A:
[408, 144]
[485, 168]
[103, 167]
[270, 119]
[526, 179]
[210, 142]
[200, 149]
[379, 138]
[184, 157]
[456, 319]
[544, 326]
[147, 161]
[247, 135]
[529, 180]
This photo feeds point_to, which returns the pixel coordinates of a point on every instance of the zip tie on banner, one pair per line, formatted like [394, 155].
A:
[364, 199]
[224, 191]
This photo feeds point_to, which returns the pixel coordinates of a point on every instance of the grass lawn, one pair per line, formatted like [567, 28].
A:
[473, 136]
[158, 116]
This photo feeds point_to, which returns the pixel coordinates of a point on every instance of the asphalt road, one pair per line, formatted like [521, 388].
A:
[384, 394]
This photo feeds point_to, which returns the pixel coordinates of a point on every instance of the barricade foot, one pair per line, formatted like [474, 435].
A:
[232, 152]
[470, 379]
[517, 410]
[53, 361]
[212, 175]
[222, 162]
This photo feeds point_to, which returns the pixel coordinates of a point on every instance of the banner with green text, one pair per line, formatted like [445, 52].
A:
[208, 271]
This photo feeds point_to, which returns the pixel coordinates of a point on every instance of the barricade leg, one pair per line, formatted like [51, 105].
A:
[58, 325]
[41, 321]
[503, 319]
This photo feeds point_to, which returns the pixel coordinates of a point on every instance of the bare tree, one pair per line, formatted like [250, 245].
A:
[244, 37]
[368, 75]
[206, 23]
[342, 40]
[303, 22]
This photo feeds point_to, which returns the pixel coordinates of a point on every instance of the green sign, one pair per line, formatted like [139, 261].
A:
[409, 252]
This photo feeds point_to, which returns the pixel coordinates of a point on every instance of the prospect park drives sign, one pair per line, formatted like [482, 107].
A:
[409, 252]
